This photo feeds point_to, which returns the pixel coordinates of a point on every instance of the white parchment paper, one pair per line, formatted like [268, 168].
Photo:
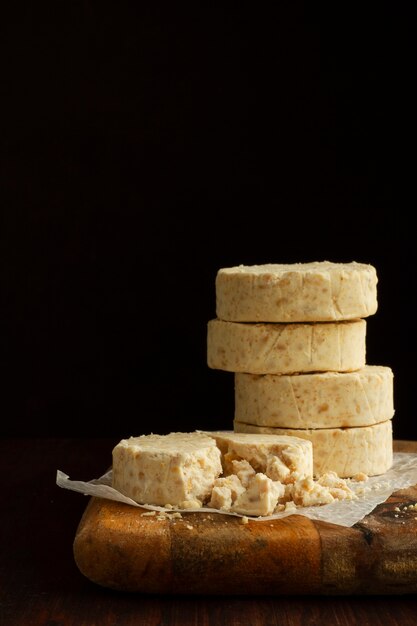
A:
[345, 513]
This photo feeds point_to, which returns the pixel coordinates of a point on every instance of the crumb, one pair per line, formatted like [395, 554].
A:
[397, 508]
[245, 520]
[191, 504]
[148, 514]
[290, 506]
[189, 526]
[360, 476]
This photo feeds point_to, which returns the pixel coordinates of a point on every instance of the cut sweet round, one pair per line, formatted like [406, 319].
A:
[293, 455]
[178, 469]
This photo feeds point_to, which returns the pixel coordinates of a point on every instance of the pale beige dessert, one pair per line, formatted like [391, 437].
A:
[177, 469]
[300, 292]
[345, 451]
[270, 348]
[320, 400]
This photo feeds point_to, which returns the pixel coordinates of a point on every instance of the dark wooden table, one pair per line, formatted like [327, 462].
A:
[41, 585]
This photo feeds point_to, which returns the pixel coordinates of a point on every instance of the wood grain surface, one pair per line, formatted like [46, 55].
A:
[116, 547]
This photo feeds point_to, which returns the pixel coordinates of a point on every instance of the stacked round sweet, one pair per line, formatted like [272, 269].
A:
[295, 337]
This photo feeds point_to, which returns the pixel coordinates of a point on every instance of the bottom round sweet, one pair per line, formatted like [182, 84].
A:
[346, 451]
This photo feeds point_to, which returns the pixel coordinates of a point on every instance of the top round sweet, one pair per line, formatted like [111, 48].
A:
[321, 291]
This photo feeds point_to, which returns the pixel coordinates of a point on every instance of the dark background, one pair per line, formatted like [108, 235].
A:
[144, 148]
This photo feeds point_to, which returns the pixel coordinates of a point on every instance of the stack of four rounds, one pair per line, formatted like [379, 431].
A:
[295, 338]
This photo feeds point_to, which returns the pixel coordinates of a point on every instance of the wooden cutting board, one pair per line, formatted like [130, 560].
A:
[200, 553]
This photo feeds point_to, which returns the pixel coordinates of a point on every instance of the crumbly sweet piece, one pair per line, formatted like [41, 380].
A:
[244, 471]
[254, 493]
[320, 400]
[307, 492]
[258, 450]
[326, 489]
[345, 451]
[272, 348]
[260, 497]
[179, 468]
[225, 492]
[337, 486]
[299, 292]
